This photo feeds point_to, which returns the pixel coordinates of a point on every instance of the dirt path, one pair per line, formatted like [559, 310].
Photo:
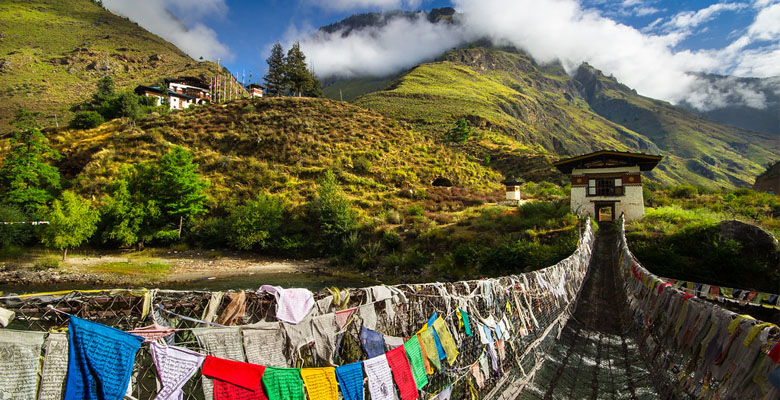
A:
[594, 359]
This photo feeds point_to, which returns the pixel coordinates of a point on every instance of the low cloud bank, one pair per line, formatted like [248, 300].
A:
[563, 30]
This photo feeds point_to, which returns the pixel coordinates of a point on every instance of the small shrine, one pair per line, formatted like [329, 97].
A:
[607, 183]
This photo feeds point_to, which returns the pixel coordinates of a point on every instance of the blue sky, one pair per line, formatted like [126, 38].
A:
[647, 44]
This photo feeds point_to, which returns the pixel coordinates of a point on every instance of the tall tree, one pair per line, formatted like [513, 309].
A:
[315, 87]
[297, 73]
[275, 80]
[26, 178]
[128, 217]
[178, 187]
[72, 220]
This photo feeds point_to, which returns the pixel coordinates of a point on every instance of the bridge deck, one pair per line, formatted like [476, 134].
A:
[595, 359]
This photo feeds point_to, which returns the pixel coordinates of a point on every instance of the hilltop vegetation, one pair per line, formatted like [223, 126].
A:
[523, 112]
[52, 53]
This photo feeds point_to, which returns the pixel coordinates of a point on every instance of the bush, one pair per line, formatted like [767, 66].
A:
[86, 120]
[361, 164]
[332, 210]
[391, 240]
[46, 263]
[415, 210]
[393, 217]
[210, 233]
[460, 132]
[684, 192]
[14, 234]
[254, 223]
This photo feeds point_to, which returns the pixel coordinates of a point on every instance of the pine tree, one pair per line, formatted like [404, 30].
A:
[297, 73]
[26, 178]
[179, 188]
[275, 79]
[315, 87]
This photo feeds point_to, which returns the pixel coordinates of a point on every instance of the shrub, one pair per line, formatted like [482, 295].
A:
[46, 263]
[416, 210]
[86, 120]
[393, 217]
[391, 240]
[460, 132]
[254, 223]
[14, 234]
[210, 233]
[361, 164]
[333, 211]
[684, 192]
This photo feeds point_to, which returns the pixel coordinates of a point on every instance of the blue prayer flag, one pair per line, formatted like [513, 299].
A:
[350, 378]
[373, 342]
[100, 361]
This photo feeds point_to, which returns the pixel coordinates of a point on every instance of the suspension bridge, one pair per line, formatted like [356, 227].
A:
[597, 325]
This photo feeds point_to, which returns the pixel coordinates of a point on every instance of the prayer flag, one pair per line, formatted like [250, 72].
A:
[446, 341]
[373, 342]
[350, 378]
[466, 324]
[402, 374]
[283, 383]
[234, 379]
[19, 362]
[320, 383]
[175, 366]
[380, 378]
[100, 360]
[429, 347]
[414, 353]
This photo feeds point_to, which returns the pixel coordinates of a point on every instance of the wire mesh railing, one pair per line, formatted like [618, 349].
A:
[536, 306]
[697, 348]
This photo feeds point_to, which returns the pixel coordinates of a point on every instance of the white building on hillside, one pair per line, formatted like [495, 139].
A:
[607, 183]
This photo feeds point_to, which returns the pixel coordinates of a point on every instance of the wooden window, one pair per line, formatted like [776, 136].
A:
[605, 187]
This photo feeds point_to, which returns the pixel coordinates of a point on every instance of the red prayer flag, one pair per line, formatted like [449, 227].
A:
[774, 354]
[402, 374]
[234, 380]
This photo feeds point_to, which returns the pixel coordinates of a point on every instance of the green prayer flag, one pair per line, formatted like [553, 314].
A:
[466, 324]
[426, 336]
[413, 352]
[283, 383]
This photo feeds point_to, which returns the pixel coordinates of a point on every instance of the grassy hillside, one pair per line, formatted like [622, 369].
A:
[279, 145]
[526, 114]
[53, 52]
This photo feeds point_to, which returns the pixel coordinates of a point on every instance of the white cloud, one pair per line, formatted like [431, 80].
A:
[766, 26]
[344, 5]
[692, 19]
[400, 44]
[551, 30]
[192, 36]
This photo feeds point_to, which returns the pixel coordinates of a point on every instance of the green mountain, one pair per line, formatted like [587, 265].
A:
[525, 114]
[53, 52]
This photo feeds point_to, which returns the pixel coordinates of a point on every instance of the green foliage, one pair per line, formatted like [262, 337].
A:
[416, 210]
[86, 120]
[14, 234]
[361, 164]
[333, 211]
[684, 192]
[128, 106]
[72, 220]
[393, 217]
[391, 240]
[127, 218]
[460, 132]
[46, 263]
[296, 72]
[176, 186]
[276, 83]
[26, 178]
[255, 223]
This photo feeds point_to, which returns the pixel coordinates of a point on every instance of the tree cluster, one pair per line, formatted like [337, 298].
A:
[158, 202]
[290, 75]
[106, 104]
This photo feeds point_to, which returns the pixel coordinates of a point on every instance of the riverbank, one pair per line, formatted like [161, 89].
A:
[40, 270]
